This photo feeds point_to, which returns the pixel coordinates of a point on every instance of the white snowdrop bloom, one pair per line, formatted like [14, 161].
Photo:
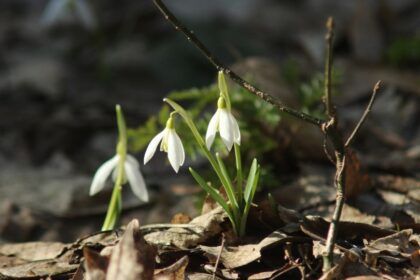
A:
[225, 123]
[65, 10]
[131, 174]
[170, 143]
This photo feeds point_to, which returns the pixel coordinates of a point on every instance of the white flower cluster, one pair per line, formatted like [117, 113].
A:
[222, 121]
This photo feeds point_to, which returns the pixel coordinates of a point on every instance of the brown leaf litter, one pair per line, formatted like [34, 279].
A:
[194, 251]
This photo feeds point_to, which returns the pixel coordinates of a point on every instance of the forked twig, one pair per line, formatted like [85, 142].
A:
[331, 130]
[235, 77]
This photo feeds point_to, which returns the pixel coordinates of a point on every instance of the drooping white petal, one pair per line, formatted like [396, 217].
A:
[176, 153]
[212, 129]
[132, 160]
[135, 179]
[151, 149]
[85, 14]
[235, 128]
[103, 172]
[54, 11]
[180, 147]
[225, 128]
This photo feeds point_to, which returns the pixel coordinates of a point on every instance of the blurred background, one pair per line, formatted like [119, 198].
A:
[64, 67]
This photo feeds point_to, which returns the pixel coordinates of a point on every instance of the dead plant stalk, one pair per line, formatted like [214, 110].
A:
[329, 127]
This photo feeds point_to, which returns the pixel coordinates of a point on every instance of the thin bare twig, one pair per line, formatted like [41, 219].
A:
[328, 66]
[365, 114]
[220, 67]
[331, 130]
[218, 257]
[339, 203]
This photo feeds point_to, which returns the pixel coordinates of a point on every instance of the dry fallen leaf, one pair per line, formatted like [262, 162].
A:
[195, 232]
[356, 181]
[237, 256]
[175, 271]
[393, 248]
[201, 276]
[415, 258]
[38, 269]
[33, 251]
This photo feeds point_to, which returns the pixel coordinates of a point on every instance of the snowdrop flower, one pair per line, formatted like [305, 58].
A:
[63, 10]
[170, 143]
[225, 123]
[131, 174]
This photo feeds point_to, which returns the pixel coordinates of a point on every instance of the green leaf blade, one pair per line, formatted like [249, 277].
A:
[250, 181]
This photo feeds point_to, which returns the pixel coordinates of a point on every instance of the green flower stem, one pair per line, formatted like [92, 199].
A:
[200, 141]
[115, 205]
[122, 132]
[238, 174]
[223, 89]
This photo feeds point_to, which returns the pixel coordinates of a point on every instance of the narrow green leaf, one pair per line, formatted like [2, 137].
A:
[248, 203]
[238, 163]
[254, 185]
[250, 181]
[227, 184]
[212, 192]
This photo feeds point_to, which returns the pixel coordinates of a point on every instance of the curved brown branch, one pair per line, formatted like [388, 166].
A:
[236, 78]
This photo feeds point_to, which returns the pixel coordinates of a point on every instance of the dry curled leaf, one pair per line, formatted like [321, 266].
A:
[132, 258]
[95, 265]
